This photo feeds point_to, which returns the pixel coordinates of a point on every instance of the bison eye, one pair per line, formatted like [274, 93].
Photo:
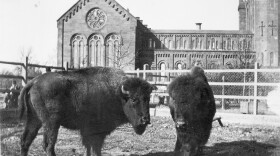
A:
[133, 100]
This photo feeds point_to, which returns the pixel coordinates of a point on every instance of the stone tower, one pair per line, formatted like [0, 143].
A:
[261, 18]
[242, 15]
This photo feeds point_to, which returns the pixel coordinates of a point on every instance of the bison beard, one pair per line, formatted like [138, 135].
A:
[93, 100]
[192, 107]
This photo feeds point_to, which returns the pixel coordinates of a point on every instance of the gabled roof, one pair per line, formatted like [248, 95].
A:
[112, 3]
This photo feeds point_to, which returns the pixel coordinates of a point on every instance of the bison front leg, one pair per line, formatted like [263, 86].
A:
[94, 144]
[98, 141]
[51, 127]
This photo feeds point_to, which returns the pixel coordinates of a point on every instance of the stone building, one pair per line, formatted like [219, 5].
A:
[103, 33]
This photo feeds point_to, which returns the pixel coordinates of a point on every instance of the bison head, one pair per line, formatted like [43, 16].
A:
[135, 99]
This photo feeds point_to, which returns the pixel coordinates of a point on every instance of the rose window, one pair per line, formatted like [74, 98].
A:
[96, 18]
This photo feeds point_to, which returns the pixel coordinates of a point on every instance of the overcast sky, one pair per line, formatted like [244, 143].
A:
[32, 24]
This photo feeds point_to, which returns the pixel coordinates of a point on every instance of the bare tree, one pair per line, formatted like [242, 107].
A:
[32, 71]
[123, 56]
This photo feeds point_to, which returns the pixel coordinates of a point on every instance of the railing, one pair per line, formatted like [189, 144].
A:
[25, 76]
[252, 84]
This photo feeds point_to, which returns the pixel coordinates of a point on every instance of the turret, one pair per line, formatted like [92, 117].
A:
[242, 15]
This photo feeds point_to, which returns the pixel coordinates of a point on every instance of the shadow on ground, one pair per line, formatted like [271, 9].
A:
[236, 148]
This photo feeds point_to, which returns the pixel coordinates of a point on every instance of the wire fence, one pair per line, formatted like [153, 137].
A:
[232, 88]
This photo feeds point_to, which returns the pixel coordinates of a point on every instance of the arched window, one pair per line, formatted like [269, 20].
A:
[96, 51]
[228, 44]
[181, 42]
[79, 58]
[240, 45]
[166, 43]
[185, 44]
[213, 43]
[271, 56]
[113, 53]
[170, 46]
[209, 44]
[232, 45]
[244, 44]
[249, 45]
[224, 45]
[212, 65]
[161, 44]
[192, 44]
[178, 44]
[162, 67]
[150, 43]
[196, 43]
[179, 66]
[146, 67]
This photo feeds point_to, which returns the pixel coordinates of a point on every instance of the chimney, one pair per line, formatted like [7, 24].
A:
[198, 25]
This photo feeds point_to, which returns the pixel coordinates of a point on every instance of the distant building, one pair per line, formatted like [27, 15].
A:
[103, 33]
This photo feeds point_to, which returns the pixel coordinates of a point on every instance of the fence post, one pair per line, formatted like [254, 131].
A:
[255, 89]
[24, 72]
[66, 68]
[223, 93]
[144, 73]
[138, 75]
[168, 77]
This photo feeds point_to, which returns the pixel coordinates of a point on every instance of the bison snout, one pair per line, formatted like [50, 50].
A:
[145, 120]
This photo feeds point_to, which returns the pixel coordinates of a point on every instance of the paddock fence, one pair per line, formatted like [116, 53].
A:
[243, 89]
[24, 76]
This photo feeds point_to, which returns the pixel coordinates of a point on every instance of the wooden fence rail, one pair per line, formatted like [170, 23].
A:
[24, 76]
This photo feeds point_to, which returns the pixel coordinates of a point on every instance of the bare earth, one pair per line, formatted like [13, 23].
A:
[239, 137]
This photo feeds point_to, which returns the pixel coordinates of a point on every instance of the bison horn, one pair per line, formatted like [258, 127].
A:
[124, 91]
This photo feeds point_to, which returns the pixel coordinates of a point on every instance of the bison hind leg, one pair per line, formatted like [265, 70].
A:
[51, 126]
[33, 124]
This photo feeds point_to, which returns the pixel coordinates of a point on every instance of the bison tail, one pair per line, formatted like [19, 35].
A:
[22, 100]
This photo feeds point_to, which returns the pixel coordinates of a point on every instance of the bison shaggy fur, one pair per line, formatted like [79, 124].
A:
[192, 107]
[94, 101]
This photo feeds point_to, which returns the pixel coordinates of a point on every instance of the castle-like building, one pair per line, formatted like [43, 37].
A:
[103, 33]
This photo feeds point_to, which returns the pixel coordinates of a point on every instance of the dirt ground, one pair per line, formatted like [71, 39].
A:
[159, 139]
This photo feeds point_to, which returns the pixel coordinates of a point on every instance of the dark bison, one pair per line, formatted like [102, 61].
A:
[192, 108]
[93, 100]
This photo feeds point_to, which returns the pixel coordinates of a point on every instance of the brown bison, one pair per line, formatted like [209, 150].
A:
[93, 100]
[192, 107]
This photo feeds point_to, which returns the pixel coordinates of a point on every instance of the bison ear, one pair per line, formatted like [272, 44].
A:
[124, 78]
[197, 71]
[124, 91]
